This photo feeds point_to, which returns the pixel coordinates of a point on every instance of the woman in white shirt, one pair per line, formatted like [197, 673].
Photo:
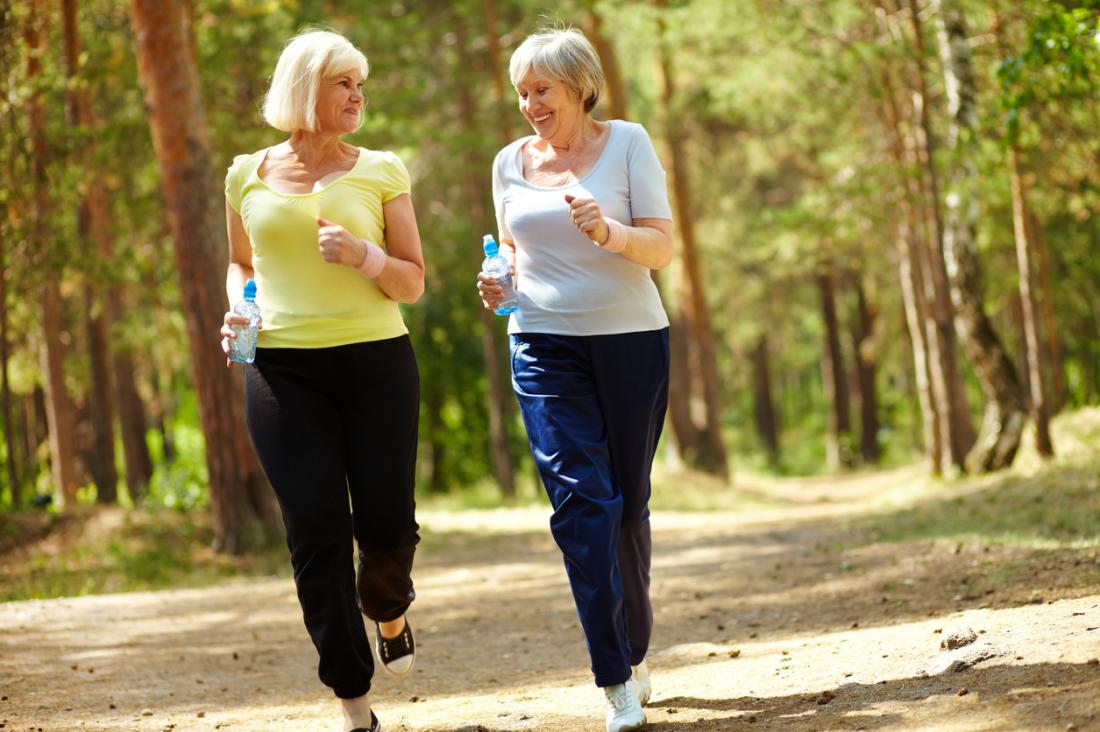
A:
[583, 215]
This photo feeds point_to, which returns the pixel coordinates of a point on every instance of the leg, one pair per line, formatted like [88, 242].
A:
[632, 384]
[379, 412]
[556, 394]
[299, 441]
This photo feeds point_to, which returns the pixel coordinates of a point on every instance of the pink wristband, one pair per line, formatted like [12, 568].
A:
[374, 259]
[616, 236]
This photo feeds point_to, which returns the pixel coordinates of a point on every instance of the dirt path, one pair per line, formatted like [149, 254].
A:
[784, 618]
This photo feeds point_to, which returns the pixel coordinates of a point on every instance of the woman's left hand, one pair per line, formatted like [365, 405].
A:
[337, 245]
[588, 218]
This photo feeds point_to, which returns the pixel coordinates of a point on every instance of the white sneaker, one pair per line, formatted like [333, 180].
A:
[623, 710]
[641, 678]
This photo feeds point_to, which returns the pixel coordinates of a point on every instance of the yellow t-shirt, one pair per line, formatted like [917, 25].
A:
[305, 301]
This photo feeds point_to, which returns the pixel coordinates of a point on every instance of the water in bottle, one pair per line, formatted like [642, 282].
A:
[242, 349]
[497, 267]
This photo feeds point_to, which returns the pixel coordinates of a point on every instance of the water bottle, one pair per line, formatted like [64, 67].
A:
[242, 349]
[497, 267]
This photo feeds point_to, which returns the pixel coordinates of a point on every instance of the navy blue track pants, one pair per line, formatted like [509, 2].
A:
[594, 407]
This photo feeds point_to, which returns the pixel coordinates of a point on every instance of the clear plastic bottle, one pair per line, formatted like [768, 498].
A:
[242, 349]
[497, 267]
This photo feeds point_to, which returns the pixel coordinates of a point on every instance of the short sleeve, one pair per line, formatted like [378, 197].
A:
[498, 198]
[646, 177]
[395, 178]
[234, 182]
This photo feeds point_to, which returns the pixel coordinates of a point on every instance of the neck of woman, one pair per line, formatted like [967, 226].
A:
[313, 148]
[575, 140]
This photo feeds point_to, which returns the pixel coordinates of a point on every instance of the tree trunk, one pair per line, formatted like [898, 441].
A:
[956, 427]
[499, 397]
[834, 376]
[1036, 356]
[694, 313]
[504, 109]
[911, 277]
[95, 244]
[1040, 405]
[1005, 412]
[767, 427]
[862, 330]
[1050, 328]
[12, 440]
[615, 92]
[51, 353]
[131, 410]
[239, 495]
[15, 488]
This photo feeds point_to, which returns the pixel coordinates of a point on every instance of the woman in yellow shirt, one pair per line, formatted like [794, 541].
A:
[328, 232]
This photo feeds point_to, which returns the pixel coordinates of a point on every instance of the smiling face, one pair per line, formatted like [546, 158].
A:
[550, 106]
[340, 103]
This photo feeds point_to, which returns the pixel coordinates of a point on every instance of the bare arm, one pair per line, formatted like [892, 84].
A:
[402, 279]
[240, 256]
[239, 271]
[649, 243]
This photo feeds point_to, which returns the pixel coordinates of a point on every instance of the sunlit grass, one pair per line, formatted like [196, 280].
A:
[122, 550]
[1037, 504]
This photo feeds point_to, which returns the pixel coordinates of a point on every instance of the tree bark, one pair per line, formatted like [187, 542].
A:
[1040, 405]
[1035, 357]
[500, 94]
[499, 396]
[12, 441]
[910, 275]
[131, 410]
[615, 91]
[834, 376]
[59, 412]
[1050, 327]
[767, 426]
[694, 314]
[239, 495]
[862, 331]
[15, 488]
[1005, 412]
[956, 426]
[95, 244]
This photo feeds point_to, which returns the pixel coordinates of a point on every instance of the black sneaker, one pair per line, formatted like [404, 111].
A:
[375, 725]
[397, 655]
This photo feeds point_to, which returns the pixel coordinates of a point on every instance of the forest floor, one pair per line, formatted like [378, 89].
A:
[822, 604]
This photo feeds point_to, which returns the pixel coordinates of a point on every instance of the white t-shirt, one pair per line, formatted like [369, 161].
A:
[566, 284]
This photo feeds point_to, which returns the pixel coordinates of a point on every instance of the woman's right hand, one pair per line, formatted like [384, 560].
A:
[491, 293]
[227, 332]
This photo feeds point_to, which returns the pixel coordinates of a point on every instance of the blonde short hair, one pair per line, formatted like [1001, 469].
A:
[308, 59]
[565, 55]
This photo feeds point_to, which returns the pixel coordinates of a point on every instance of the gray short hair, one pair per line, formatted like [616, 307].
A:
[565, 55]
[308, 59]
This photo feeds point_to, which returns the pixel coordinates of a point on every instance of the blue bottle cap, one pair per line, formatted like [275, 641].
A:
[489, 245]
[250, 290]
